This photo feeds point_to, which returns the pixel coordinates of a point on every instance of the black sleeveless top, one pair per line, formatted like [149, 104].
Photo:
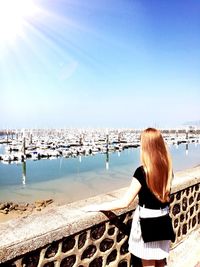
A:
[146, 197]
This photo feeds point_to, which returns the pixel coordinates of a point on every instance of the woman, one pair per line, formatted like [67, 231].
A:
[151, 182]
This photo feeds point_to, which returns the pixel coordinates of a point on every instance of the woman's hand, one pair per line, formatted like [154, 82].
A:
[91, 208]
[120, 203]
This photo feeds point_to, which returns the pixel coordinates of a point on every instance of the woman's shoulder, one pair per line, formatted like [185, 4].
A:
[139, 173]
[140, 169]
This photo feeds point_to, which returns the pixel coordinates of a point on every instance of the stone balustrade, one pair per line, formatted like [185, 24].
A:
[68, 237]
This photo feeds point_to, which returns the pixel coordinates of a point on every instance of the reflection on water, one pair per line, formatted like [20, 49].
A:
[107, 160]
[67, 180]
[2, 149]
[186, 149]
[24, 173]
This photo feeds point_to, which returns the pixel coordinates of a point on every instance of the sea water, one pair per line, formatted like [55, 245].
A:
[70, 179]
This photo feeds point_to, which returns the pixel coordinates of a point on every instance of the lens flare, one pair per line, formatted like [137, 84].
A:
[13, 18]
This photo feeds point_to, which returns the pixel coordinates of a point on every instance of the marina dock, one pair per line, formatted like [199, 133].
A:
[37, 144]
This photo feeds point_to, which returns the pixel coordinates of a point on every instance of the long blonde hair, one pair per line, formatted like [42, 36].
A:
[157, 163]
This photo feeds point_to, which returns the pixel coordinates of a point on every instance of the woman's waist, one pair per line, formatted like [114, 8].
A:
[147, 213]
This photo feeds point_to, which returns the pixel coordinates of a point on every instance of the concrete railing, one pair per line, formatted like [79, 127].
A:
[66, 236]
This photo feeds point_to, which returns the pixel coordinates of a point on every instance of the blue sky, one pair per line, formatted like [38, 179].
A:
[97, 63]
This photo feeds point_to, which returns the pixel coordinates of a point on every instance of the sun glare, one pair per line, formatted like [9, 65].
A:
[13, 18]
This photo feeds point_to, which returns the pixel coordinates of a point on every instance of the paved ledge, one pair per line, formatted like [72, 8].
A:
[186, 178]
[22, 235]
[187, 253]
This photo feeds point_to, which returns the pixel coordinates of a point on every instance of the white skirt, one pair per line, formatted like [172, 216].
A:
[155, 250]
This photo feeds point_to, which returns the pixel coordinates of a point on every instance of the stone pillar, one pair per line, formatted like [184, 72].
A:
[119, 137]
[176, 133]
[81, 140]
[7, 136]
[107, 141]
[31, 137]
[187, 134]
[24, 146]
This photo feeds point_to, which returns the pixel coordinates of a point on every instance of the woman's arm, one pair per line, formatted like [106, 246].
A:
[120, 203]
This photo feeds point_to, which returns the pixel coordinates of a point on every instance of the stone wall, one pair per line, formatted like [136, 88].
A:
[185, 211]
[66, 236]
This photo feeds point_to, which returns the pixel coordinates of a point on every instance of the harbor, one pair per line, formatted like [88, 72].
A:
[80, 82]
[71, 165]
[53, 143]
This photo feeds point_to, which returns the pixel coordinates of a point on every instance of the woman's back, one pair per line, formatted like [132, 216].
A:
[146, 197]
[157, 163]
